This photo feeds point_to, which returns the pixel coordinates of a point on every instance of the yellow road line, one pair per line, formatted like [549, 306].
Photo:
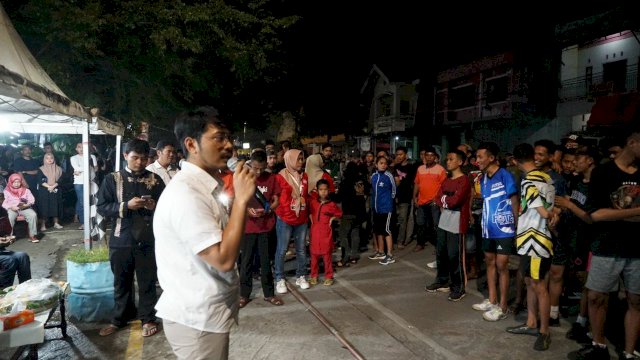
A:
[134, 347]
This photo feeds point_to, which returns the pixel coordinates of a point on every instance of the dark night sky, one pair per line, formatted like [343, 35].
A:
[336, 45]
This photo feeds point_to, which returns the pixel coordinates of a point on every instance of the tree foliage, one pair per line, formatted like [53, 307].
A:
[141, 60]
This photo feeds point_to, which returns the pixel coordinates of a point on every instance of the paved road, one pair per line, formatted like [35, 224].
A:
[383, 311]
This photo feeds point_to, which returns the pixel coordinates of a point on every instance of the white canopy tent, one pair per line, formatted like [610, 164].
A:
[31, 102]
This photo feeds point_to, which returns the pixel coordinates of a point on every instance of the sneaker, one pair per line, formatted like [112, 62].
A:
[387, 260]
[376, 256]
[523, 330]
[302, 282]
[281, 287]
[432, 265]
[43, 229]
[554, 322]
[485, 305]
[437, 287]
[57, 226]
[542, 342]
[456, 295]
[81, 227]
[313, 281]
[593, 352]
[327, 282]
[494, 314]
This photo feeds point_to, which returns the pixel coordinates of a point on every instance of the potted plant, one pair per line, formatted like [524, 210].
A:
[91, 280]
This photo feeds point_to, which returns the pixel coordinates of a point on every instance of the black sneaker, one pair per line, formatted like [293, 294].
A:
[542, 342]
[578, 333]
[592, 352]
[523, 330]
[554, 322]
[456, 295]
[387, 260]
[437, 287]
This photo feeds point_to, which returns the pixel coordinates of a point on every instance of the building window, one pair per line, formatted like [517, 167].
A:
[496, 89]
[462, 96]
[615, 73]
[384, 105]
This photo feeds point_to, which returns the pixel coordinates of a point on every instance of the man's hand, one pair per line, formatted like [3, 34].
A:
[562, 201]
[244, 183]
[136, 203]
[256, 213]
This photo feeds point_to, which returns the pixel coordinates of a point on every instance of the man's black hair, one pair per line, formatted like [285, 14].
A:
[490, 147]
[259, 156]
[138, 146]
[523, 153]
[164, 143]
[286, 142]
[47, 143]
[326, 145]
[590, 151]
[402, 148]
[430, 149]
[547, 144]
[460, 154]
[269, 142]
[321, 182]
[193, 124]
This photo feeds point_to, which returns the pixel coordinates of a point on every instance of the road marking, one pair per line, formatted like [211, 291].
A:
[346, 284]
[134, 346]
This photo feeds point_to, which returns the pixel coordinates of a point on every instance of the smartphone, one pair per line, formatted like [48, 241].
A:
[146, 197]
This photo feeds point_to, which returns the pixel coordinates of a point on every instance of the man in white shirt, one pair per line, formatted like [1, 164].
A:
[163, 166]
[198, 240]
[77, 163]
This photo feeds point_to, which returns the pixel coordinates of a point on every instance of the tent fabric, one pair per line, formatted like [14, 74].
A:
[615, 110]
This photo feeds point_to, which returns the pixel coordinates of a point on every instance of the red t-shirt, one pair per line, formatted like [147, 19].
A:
[284, 211]
[269, 187]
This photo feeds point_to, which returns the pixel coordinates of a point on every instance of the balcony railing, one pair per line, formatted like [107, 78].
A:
[582, 88]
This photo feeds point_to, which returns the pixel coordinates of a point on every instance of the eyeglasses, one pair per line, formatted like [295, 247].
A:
[224, 137]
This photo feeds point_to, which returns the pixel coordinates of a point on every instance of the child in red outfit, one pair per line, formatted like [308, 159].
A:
[323, 212]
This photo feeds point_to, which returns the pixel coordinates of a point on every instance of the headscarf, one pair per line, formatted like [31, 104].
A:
[19, 192]
[314, 170]
[52, 172]
[293, 178]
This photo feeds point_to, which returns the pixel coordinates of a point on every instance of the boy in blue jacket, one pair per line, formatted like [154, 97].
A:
[383, 191]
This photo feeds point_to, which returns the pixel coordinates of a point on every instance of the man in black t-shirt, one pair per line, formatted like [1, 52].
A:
[615, 199]
[404, 174]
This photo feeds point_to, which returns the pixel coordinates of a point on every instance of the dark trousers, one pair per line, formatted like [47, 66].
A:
[427, 218]
[449, 255]
[252, 243]
[125, 263]
[350, 237]
[12, 262]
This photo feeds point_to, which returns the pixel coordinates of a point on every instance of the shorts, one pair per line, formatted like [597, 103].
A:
[534, 267]
[606, 271]
[502, 246]
[561, 252]
[382, 224]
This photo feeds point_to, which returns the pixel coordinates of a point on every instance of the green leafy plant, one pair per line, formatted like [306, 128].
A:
[82, 256]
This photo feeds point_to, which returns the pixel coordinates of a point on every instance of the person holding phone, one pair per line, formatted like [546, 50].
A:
[18, 200]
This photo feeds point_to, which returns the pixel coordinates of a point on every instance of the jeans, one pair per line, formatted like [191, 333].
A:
[80, 203]
[12, 262]
[284, 232]
[427, 219]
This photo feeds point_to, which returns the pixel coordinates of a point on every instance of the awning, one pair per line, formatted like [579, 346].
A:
[615, 110]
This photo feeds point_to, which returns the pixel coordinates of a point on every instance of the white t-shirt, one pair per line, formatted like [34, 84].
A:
[165, 173]
[187, 220]
[77, 162]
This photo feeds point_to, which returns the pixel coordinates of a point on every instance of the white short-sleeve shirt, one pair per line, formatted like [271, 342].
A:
[187, 220]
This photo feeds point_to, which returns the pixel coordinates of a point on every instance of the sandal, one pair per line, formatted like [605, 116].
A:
[108, 330]
[34, 239]
[274, 300]
[243, 302]
[149, 329]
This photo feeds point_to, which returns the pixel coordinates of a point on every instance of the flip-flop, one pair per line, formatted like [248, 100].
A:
[149, 329]
[243, 302]
[110, 329]
[274, 300]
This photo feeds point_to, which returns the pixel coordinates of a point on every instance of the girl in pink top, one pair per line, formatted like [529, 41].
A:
[18, 200]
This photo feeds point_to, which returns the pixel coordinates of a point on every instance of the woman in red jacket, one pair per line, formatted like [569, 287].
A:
[292, 218]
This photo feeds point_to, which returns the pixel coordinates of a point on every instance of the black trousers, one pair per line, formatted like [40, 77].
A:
[350, 237]
[252, 244]
[449, 252]
[125, 263]
[427, 218]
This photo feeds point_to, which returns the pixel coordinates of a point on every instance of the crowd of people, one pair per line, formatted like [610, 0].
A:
[563, 210]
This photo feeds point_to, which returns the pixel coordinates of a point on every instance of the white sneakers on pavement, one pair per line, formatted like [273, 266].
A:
[432, 265]
[302, 282]
[281, 287]
[485, 305]
[492, 312]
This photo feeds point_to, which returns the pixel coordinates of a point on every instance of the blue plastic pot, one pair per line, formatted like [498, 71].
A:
[91, 298]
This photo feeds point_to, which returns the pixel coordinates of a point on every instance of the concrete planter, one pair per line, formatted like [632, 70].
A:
[91, 297]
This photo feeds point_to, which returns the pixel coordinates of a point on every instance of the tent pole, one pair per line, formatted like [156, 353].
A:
[86, 185]
[118, 149]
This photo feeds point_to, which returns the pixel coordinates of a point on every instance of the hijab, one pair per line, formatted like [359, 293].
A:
[314, 170]
[19, 192]
[52, 172]
[293, 178]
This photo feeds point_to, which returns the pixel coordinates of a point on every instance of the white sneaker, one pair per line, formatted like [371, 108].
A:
[432, 265]
[281, 287]
[302, 282]
[494, 314]
[485, 305]
[57, 226]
